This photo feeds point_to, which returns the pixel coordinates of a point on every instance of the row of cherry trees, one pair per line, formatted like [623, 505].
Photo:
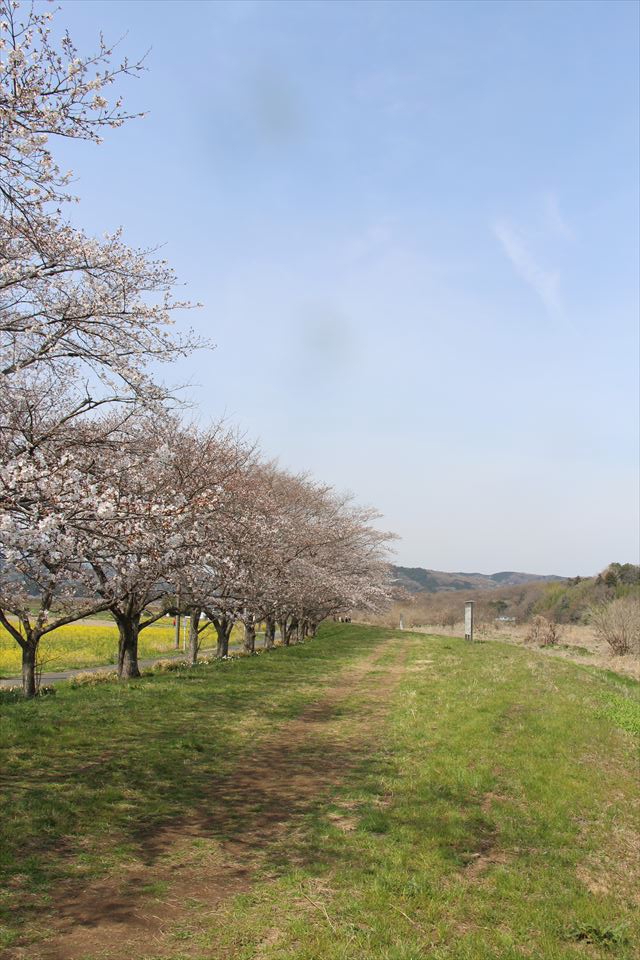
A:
[148, 516]
[109, 499]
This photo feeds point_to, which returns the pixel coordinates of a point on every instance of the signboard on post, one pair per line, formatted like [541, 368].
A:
[468, 620]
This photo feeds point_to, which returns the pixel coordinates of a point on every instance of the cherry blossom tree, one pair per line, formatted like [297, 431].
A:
[49, 90]
[47, 503]
[146, 529]
[80, 321]
[305, 554]
[94, 311]
[126, 517]
[214, 467]
[340, 564]
[108, 501]
[56, 495]
[98, 524]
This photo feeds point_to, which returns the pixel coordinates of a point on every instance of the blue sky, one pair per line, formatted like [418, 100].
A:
[413, 228]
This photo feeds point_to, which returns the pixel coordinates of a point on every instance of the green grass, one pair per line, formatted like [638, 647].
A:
[95, 768]
[490, 815]
[624, 712]
[79, 645]
[498, 822]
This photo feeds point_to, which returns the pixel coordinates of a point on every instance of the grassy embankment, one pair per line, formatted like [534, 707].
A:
[89, 644]
[488, 814]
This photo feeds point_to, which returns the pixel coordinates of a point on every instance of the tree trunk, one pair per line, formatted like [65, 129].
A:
[269, 633]
[250, 635]
[222, 646]
[128, 627]
[177, 622]
[284, 633]
[223, 629]
[313, 629]
[29, 686]
[194, 637]
[293, 630]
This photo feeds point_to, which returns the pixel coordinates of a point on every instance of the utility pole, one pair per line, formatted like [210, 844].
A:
[177, 633]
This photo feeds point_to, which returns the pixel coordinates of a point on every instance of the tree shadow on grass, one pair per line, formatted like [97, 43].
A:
[135, 767]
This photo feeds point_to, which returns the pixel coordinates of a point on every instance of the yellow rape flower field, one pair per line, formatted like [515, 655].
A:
[90, 644]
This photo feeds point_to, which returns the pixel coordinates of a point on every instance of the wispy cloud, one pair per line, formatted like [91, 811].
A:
[544, 282]
[555, 221]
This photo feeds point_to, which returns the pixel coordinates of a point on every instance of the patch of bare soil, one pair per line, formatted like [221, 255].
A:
[614, 867]
[346, 824]
[215, 852]
[488, 852]
[480, 863]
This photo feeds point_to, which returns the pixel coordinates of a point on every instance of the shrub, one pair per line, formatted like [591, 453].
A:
[618, 623]
[544, 632]
[15, 695]
[90, 679]
[166, 666]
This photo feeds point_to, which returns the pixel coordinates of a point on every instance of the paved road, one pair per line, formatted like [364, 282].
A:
[48, 678]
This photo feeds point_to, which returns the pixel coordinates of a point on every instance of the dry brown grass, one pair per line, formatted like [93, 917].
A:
[577, 643]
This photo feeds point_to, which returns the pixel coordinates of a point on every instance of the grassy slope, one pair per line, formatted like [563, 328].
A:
[493, 817]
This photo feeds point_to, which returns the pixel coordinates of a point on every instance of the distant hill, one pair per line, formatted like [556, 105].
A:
[419, 580]
[438, 598]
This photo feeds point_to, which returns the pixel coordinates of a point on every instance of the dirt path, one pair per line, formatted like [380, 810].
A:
[215, 852]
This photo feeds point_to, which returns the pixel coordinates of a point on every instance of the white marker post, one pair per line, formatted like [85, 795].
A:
[468, 620]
